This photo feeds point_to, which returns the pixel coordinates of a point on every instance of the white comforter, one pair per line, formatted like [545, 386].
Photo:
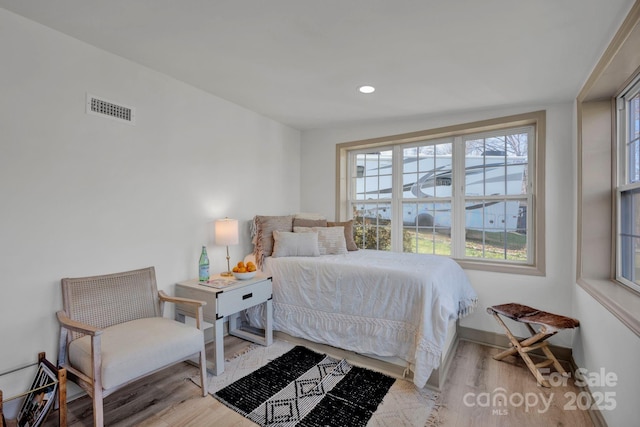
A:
[375, 302]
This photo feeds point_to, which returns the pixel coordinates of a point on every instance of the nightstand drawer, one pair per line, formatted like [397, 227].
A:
[235, 300]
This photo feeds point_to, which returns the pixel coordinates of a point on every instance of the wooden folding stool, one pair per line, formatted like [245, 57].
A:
[548, 325]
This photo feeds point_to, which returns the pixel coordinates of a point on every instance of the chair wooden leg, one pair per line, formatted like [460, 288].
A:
[62, 397]
[203, 373]
[1, 413]
[98, 411]
[96, 357]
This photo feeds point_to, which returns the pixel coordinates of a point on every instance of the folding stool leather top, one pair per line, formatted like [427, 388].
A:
[526, 314]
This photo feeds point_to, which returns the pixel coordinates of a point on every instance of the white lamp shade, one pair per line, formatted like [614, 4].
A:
[227, 232]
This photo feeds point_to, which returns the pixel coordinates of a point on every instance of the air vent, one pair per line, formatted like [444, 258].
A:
[111, 110]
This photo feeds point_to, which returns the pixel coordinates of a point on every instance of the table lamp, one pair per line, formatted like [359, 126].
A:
[227, 234]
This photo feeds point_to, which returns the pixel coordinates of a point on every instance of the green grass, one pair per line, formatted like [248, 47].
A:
[427, 243]
[440, 244]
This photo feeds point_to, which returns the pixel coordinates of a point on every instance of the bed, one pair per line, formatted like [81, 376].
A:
[386, 304]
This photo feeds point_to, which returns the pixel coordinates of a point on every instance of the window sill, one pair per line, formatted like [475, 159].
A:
[531, 270]
[621, 301]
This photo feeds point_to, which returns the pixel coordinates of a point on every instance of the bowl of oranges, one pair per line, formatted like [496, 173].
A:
[244, 271]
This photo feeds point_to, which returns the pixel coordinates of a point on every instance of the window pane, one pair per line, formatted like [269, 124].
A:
[630, 235]
[633, 144]
[474, 167]
[634, 117]
[496, 230]
[496, 165]
[427, 228]
[521, 221]
[373, 177]
[517, 146]
[517, 179]
[633, 157]
[372, 226]
[427, 171]
[495, 174]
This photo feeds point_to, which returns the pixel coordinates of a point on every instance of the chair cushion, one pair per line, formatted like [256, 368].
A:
[133, 349]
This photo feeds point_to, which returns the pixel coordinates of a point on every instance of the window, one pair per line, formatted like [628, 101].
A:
[599, 183]
[471, 192]
[628, 188]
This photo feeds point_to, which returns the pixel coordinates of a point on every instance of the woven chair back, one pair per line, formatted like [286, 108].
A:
[103, 301]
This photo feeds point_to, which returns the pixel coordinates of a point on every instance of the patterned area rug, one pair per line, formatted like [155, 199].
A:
[287, 385]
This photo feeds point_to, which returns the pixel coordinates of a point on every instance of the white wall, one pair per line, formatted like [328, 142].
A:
[83, 195]
[604, 347]
[552, 292]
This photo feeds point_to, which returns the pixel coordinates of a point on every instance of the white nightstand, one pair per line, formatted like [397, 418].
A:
[228, 300]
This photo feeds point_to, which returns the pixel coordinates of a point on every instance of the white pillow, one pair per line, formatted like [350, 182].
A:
[331, 240]
[287, 243]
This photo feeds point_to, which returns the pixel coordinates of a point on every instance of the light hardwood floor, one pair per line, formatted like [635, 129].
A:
[479, 392]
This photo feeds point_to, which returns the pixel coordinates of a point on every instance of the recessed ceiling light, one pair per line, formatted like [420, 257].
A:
[366, 89]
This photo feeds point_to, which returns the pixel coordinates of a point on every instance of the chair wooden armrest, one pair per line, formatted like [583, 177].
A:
[74, 325]
[166, 298]
[196, 306]
[67, 324]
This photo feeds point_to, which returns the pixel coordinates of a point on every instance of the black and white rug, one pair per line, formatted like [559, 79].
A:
[304, 388]
[286, 385]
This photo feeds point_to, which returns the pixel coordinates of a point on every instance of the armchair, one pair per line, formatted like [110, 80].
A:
[112, 333]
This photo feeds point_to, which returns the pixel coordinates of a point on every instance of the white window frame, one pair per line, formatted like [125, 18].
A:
[624, 182]
[535, 212]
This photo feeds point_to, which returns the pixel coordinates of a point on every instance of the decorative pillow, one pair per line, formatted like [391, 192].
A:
[305, 222]
[263, 240]
[287, 243]
[348, 233]
[306, 215]
[331, 240]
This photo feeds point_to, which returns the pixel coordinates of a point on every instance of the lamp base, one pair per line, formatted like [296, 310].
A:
[226, 274]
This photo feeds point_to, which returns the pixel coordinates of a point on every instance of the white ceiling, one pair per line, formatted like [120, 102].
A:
[300, 61]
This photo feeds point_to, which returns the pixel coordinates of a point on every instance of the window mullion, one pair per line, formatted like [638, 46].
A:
[622, 174]
[457, 199]
[396, 199]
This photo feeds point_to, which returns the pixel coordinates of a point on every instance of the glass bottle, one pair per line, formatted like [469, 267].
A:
[203, 265]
